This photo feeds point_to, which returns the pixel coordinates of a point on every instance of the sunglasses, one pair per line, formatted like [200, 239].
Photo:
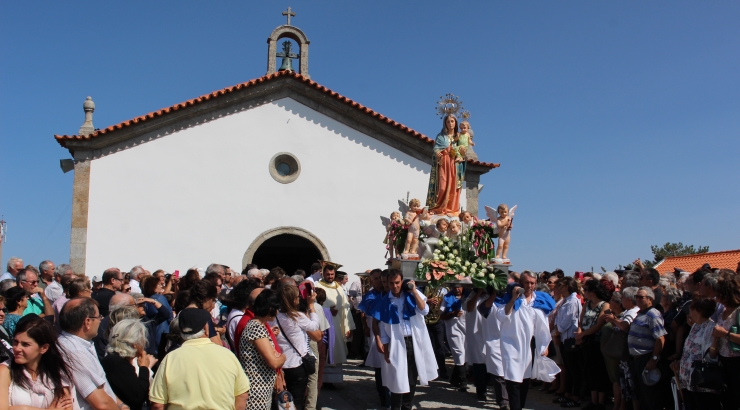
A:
[640, 297]
[126, 290]
[33, 282]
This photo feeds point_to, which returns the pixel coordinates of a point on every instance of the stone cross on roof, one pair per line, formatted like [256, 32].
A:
[288, 13]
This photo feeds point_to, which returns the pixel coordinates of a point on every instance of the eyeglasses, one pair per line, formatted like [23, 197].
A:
[95, 317]
[118, 279]
[33, 282]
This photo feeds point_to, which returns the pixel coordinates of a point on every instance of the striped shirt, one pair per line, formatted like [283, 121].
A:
[87, 373]
[644, 330]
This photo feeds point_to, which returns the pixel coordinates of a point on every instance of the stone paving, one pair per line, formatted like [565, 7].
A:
[358, 392]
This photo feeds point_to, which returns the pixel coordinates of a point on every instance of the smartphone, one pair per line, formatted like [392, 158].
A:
[176, 275]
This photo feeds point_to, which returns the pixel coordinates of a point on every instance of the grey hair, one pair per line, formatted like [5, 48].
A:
[121, 303]
[648, 292]
[673, 295]
[597, 276]
[6, 284]
[125, 336]
[264, 272]
[216, 268]
[298, 278]
[198, 335]
[611, 276]
[630, 293]
[136, 296]
[118, 315]
[254, 273]
[12, 261]
[45, 265]
[711, 280]
[23, 275]
[631, 280]
[683, 277]
[136, 271]
[528, 273]
[63, 269]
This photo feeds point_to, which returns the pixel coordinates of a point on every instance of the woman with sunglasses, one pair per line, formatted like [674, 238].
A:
[16, 300]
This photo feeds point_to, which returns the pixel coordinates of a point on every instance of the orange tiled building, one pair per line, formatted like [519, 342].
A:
[690, 263]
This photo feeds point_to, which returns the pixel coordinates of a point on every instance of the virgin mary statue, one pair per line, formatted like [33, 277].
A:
[443, 197]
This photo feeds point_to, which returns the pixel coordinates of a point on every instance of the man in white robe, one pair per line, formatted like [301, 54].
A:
[375, 356]
[525, 335]
[453, 316]
[492, 334]
[407, 349]
[338, 303]
[475, 342]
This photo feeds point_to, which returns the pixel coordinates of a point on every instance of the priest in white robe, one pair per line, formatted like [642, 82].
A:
[338, 303]
[453, 316]
[525, 336]
[408, 351]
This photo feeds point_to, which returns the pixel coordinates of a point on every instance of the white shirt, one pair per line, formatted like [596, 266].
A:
[405, 324]
[53, 291]
[135, 286]
[6, 275]
[295, 330]
[315, 277]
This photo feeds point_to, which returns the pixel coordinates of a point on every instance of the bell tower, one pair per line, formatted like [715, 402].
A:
[295, 34]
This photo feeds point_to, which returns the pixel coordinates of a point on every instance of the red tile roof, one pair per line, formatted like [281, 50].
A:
[61, 139]
[690, 263]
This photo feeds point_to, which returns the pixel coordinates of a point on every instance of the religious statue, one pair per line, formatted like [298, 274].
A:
[389, 237]
[411, 220]
[443, 197]
[502, 225]
[454, 230]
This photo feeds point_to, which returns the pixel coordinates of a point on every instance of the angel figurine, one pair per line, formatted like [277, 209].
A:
[502, 225]
[387, 222]
[411, 219]
[454, 230]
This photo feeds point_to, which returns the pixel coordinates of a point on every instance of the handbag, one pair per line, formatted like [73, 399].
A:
[707, 375]
[570, 346]
[616, 347]
[307, 361]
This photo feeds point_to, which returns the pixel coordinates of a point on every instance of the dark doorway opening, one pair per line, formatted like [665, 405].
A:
[290, 252]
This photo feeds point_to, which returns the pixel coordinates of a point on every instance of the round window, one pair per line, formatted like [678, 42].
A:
[284, 167]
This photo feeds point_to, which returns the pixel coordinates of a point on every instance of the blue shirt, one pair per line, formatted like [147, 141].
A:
[569, 313]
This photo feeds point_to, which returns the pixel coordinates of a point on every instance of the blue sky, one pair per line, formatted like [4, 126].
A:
[617, 124]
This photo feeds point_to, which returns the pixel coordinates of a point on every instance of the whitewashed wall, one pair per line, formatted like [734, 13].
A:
[203, 194]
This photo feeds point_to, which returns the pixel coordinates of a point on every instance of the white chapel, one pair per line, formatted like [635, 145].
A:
[277, 171]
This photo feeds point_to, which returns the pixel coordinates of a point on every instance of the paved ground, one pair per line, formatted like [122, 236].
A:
[358, 392]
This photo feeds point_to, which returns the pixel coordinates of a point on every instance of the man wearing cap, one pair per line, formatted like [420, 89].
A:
[338, 303]
[188, 378]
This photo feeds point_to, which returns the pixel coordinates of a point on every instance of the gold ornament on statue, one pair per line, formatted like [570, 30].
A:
[449, 104]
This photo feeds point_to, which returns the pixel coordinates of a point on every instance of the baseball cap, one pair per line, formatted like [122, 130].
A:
[193, 320]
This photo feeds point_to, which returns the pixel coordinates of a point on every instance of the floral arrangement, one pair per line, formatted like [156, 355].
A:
[396, 236]
[481, 237]
[457, 260]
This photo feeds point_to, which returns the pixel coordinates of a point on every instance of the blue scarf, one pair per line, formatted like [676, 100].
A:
[543, 301]
[453, 303]
[369, 300]
[387, 312]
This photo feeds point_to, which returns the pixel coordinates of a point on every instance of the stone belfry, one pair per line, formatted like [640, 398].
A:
[295, 34]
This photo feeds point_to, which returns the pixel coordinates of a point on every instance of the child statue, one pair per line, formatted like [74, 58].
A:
[464, 140]
[395, 217]
[502, 225]
[411, 220]
[453, 232]
[466, 219]
[433, 232]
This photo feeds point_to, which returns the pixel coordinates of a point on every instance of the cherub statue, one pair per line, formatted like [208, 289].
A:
[502, 225]
[411, 219]
[466, 218]
[395, 217]
[453, 232]
[433, 232]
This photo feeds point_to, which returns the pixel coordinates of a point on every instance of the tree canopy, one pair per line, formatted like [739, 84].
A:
[673, 249]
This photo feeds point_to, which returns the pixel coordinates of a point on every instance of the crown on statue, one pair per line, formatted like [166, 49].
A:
[449, 104]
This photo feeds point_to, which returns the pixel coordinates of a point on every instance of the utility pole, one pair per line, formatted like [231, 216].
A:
[3, 231]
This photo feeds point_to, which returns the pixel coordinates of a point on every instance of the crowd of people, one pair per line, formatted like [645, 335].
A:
[262, 339]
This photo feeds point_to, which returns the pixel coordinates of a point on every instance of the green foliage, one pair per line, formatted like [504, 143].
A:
[673, 249]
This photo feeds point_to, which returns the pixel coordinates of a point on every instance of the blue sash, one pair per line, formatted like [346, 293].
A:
[453, 303]
[387, 312]
[543, 301]
[369, 301]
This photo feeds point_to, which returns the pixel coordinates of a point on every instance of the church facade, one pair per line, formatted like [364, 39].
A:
[275, 171]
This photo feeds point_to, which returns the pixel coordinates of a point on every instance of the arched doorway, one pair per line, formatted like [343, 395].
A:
[288, 247]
